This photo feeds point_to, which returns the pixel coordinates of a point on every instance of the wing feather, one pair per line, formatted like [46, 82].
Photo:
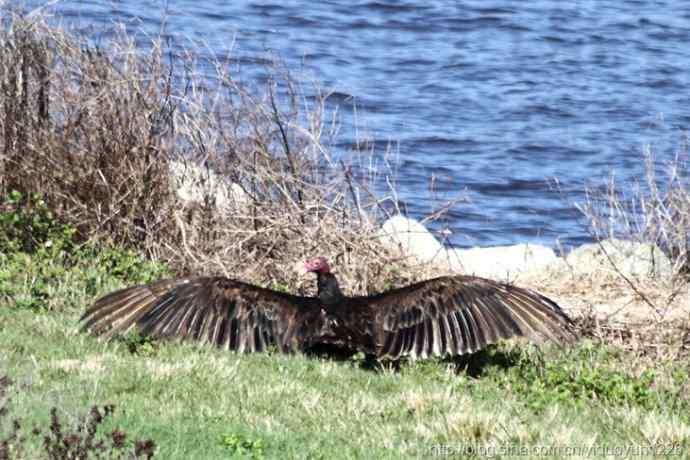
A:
[116, 312]
[455, 339]
[472, 331]
[444, 334]
[460, 314]
[408, 336]
[234, 334]
[231, 314]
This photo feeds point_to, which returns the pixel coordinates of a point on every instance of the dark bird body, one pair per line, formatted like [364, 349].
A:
[450, 315]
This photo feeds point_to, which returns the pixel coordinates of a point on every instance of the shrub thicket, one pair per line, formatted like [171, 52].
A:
[95, 131]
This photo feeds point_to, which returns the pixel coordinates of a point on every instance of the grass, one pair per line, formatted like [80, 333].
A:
[199, 401]
[185, 401]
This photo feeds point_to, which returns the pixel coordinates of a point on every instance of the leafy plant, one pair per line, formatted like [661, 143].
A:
[28, 225]
[140, 345]
[584, 375]
[244, 447]
[280, 287]
[40, 257]
[86, 441]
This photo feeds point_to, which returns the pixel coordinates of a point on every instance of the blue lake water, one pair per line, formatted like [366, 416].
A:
[493, 99]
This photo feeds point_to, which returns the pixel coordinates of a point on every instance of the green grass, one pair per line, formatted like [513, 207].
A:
[198, 402]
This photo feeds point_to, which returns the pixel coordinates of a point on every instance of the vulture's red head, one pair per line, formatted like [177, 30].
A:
[317, 265]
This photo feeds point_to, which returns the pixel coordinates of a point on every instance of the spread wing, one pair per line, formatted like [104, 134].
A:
[221, 311]
[456, 315]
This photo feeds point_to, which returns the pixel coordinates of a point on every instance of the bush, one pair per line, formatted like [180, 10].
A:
[95, 130]
[27, 225]
[86, 441]
[40, 257]
[656, 211]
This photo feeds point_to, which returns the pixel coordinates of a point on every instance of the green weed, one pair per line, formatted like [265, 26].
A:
[243, 447]
[587, 374]
[42, 264]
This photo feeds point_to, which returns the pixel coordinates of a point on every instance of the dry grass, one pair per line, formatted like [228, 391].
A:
[650, 315]
[656, 210]
[95, 131]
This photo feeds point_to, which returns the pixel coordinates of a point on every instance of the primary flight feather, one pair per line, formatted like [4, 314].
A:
[449, 315]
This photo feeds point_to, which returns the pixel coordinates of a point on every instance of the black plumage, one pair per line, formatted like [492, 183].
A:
[450, 315]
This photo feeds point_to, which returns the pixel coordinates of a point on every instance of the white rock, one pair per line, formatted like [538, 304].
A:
[501, 262]
[411, 238]
[631, 258]
[193, 183]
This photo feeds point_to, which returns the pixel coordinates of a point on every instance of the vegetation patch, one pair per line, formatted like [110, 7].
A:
[243, 447]
[188, 399]
[86, 441]
[589, 374]
[42, 264]
[103, 134]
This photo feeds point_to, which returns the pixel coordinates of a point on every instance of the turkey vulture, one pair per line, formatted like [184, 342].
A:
[449, 315]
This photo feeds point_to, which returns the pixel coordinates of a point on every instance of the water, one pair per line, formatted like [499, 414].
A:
[493, 99]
